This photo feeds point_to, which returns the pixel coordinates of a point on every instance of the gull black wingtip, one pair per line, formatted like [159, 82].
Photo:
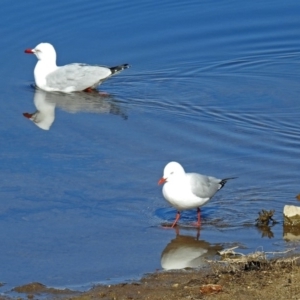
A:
[223, 181]
[120, 68]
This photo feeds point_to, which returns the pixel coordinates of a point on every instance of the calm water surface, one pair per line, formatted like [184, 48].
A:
[212, 86]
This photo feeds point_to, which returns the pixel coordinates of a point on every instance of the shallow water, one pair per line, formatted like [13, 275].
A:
[214, 87]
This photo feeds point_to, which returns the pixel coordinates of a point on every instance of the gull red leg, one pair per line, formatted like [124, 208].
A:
[89, 90]
[176, 219]
[199, 217]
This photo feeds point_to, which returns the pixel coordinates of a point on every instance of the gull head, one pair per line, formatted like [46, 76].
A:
[172, 171]
[43, 51]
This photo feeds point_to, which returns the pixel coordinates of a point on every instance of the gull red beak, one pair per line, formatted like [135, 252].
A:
[161, 181]
[27, 115]
[29, 51]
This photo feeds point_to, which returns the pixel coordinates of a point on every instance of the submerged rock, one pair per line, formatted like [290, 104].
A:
[37, 288]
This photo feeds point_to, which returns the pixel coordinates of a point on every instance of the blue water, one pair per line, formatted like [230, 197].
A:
[214, 86]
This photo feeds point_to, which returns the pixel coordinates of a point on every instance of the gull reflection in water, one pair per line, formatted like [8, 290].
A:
[187, 252]
[45, 103]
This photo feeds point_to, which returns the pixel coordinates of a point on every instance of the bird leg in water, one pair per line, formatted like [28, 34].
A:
[176, 219]
[199, 218]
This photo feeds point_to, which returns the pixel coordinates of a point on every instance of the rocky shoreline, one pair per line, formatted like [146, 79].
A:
[255, 278]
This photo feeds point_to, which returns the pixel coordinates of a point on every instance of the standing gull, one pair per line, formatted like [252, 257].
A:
[188, 190]
[69, 78]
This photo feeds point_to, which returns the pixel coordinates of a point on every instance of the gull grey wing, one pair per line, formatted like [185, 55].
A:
[79, 76]
[204, 186]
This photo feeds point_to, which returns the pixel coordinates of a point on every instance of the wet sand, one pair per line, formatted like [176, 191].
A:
[254, 280]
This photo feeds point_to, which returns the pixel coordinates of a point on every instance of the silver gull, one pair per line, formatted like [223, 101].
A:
[69, 78]
[188, 190]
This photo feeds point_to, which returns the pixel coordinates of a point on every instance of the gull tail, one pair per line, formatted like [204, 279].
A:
[118, 69]
[223, 181]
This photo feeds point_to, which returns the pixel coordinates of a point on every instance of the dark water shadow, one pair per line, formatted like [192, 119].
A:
[266, 231]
